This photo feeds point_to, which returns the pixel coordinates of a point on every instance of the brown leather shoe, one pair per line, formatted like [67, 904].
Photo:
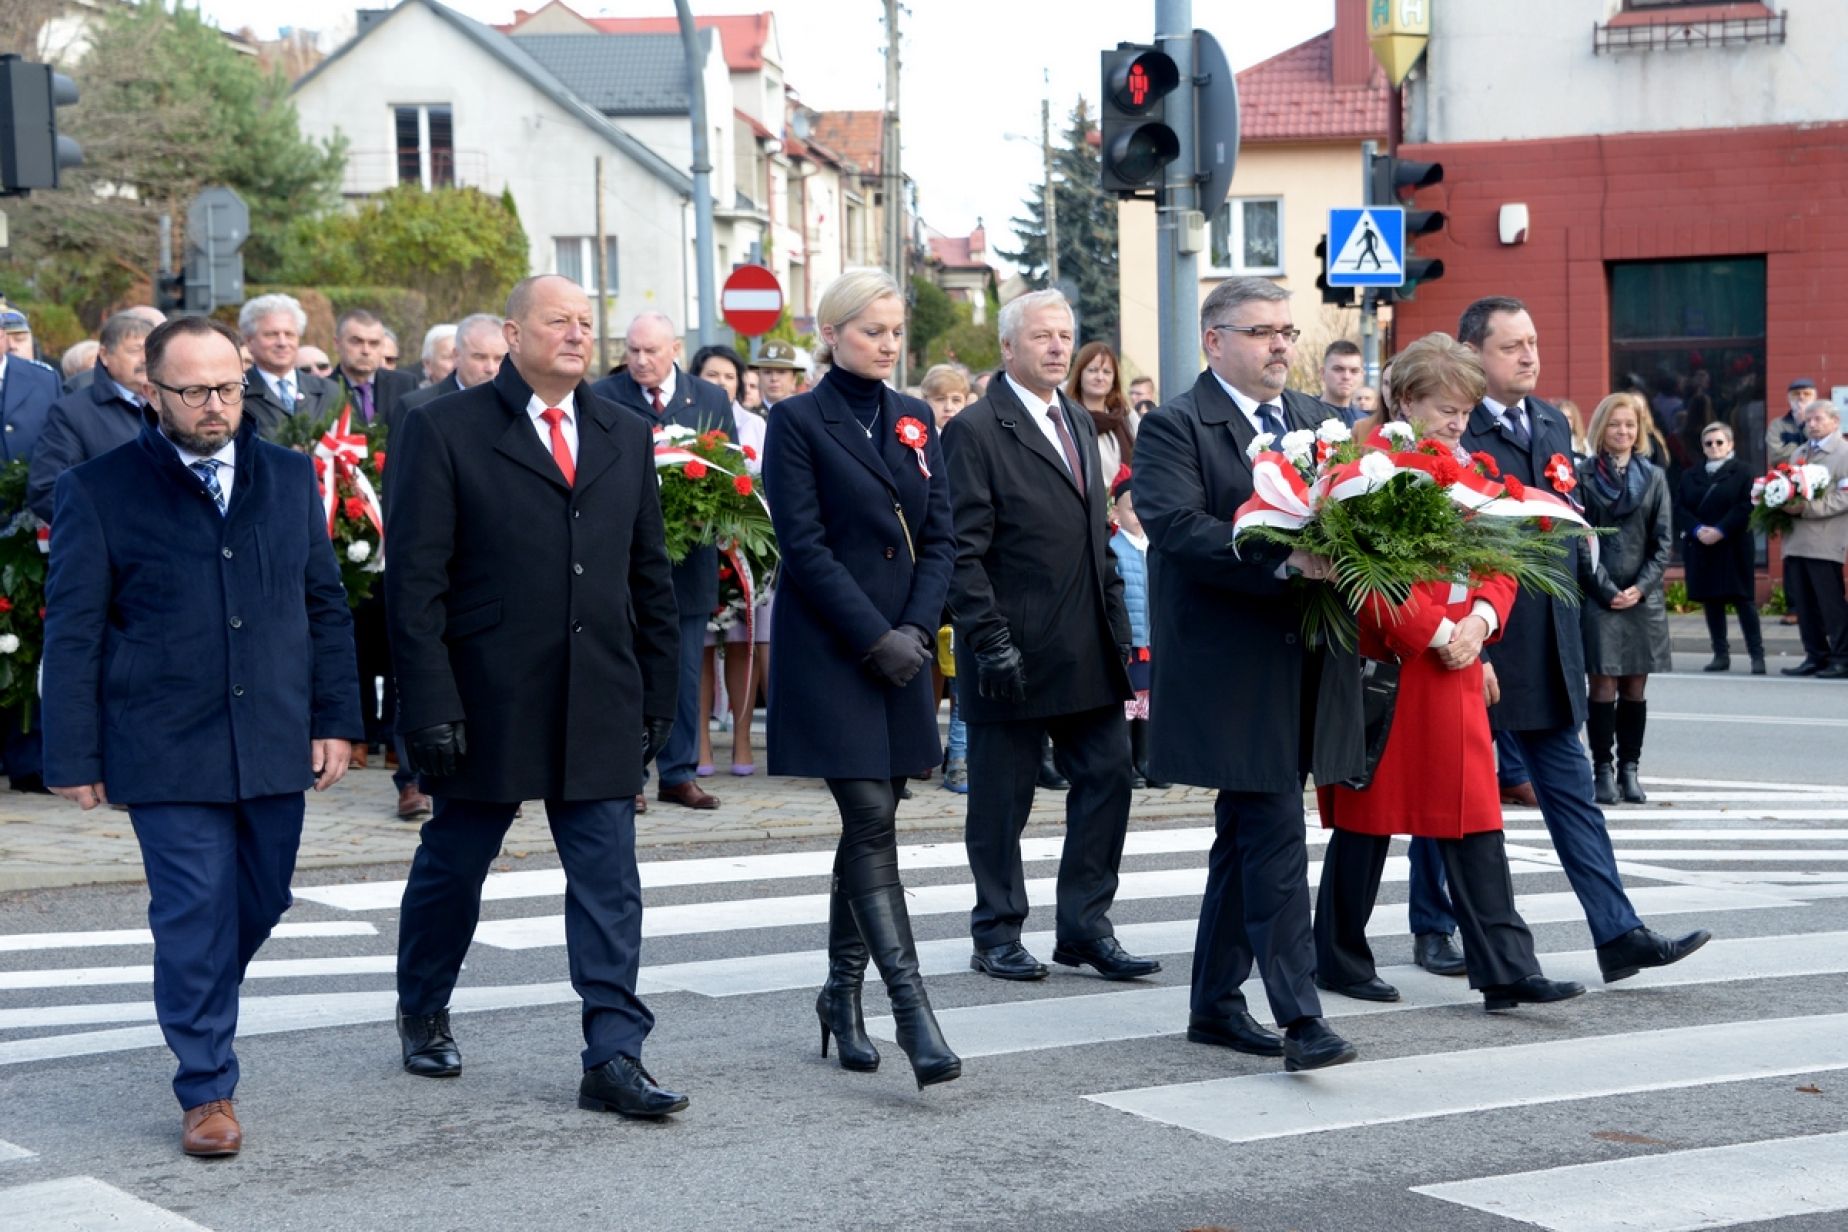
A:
[641, 803]
[412, 803]
[689, 795]
[211, 1129]
[391, 757]
[359, 755]
[1521, 794]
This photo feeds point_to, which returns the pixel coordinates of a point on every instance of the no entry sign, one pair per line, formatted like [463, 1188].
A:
[751, 300]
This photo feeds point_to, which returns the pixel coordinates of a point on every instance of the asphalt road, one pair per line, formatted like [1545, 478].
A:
[1706, 1095]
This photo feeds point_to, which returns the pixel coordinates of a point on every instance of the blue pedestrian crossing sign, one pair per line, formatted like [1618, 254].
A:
[1366, 247]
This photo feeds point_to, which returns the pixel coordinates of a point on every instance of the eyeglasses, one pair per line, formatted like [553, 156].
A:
[1263, 333]
[1711, 441]
[321, 369]
[196, 396]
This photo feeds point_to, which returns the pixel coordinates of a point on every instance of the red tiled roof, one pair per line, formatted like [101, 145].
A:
[856, 136]
[1292, 97]
[959, 251]
[742, 35]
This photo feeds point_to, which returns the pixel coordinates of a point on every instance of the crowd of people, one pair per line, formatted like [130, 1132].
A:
[1042, 546]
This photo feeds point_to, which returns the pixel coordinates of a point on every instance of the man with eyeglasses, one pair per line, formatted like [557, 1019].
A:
[1247, 706]
[199, 669]
[87, 423]
[314, 359]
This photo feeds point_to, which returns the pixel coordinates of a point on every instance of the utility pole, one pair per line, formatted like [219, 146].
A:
[1369, 296]
[1052, 200]
[602, 278]
[1178, 224]
[894, 176]
[702, 173]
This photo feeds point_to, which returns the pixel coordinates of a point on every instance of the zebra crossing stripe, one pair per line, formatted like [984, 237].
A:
[103, 937]
[1681, 1191]
[83, 1202]
[10, 1152]
[1279, 1105]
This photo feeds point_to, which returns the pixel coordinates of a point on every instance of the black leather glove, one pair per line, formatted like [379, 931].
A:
[654, 738]
[1000, 673]
[1126, 653]
[897, 657]
[437, 751]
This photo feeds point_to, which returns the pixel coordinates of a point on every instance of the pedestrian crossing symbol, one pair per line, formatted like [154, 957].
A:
[1368, 247]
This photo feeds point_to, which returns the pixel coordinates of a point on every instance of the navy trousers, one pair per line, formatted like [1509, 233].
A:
[218, 880]
[1256, 909]
[679, 759]
[1004, 760]
[603, 911]
[1560, 771]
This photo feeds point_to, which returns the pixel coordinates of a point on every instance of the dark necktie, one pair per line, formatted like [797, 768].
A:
[1517, 426]
[365, 401]
[655, 396]
[207, 470]
[1065, 443]
[1270, 419]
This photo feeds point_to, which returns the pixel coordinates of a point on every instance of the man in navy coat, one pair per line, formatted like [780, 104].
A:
[653, 386]
[28, 390]
[1540, 660]
[199, 669]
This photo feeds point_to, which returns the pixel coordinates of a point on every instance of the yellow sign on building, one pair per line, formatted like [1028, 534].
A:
[1398, 30]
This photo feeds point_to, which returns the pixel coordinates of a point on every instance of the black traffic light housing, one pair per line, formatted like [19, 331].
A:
[1390, 181]
[1137, 140]
[31, 151]
[1341, 297]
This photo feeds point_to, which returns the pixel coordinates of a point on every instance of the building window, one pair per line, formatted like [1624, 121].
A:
[574, 257]
[425, 137]
[1247, 237]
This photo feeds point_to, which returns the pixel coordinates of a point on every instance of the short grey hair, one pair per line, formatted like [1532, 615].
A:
[474, 321]
[1235, 292]
[255, 310]
[123, 327]
[651, 314]
[1014, 312]
[1827, 410]
[434, 335]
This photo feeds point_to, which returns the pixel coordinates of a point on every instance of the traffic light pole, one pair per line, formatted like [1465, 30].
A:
[1369, 301]
[1176, 264]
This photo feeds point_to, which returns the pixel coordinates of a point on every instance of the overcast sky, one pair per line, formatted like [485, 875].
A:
[972, 70]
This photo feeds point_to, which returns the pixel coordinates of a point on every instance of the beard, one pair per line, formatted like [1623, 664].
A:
[204, 443]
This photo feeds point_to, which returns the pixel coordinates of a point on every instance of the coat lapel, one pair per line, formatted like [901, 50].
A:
[1217, 408]
[846, 431]
[1012, 415]
[597, 447]
[519, 442]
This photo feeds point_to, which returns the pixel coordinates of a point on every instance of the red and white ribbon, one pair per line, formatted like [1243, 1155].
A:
[341, 451]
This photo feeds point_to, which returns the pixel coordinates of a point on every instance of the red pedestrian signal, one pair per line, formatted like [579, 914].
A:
[1137, 142]
[1138, 85]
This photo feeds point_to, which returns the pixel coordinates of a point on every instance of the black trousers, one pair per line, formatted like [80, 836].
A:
[1815, 593]
[1497, 945]
[866, 859]
[1256, 909]
[1715, 610]
[1004, 761]
[378, 704]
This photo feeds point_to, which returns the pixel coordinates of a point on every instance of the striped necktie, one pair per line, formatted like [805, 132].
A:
[207, 470]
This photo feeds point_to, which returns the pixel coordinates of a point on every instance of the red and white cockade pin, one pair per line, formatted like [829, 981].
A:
[1559, 473]
[913, 435]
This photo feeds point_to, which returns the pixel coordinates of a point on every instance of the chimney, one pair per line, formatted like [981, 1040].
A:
[978, 241]
[1353, 56]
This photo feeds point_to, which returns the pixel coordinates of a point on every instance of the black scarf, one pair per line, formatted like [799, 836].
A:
[1621, 489]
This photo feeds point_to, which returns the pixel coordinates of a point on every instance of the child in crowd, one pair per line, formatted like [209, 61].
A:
[946, 388]
[1132, 557]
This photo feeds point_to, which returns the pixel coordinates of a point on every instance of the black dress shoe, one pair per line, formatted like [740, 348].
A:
[1838, 672]
[1310, 1044]
[1240, 1034]
[1534, 990]
[429, 1049]
[622, 1086]
[1639, 948]
[1809, 667]
[1374, 989]
[1049, 776]
[1438, 954]
[1721, 662]
[1007, 961]
[32, 784]
[1110, 960]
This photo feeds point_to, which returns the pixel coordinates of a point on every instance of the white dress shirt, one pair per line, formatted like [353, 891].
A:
[537, 406]
[275, 386]
[1501, 412]
[1250, 406]
[1036, 411]
[668, 384]
[226, 459]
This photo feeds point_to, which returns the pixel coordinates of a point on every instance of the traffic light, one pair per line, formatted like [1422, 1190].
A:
[1390, 181]
[169, 291]
[31, 151]
[1137, 141]
[1342, 297]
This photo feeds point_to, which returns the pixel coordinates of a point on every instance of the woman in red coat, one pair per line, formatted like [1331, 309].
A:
[1436, 778]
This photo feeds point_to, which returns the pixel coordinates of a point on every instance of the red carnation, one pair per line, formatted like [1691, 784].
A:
[750, 453]
[1516, 489]
[696, 469]
[41, 613]
[1487, 464]
[743, 484]
[1445, 470]
[320, 466]
[1430, 447]
[6, 604]
[1546, 525]
[725, 572]
[378, 460]
[355, 508]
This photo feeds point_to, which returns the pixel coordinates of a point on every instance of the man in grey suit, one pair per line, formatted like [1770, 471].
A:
[1815, 548]
[276, 386]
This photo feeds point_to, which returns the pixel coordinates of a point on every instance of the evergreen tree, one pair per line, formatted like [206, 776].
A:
[1087, 224]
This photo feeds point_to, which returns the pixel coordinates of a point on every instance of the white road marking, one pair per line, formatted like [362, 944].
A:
[1745, 784]
[1031, 1026]
[10, 1152]
[83, 1204]
[260, 969]
[1278, 1105]
[1757, 720]
[97, 938]
[1758, 834]
[1681, 1191]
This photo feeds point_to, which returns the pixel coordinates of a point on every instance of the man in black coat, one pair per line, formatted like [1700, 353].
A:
[1539, 662]
[89, 422]
[660, 392]
[1041, 638]
[533, 628]
[480, 347]
[276, 386]
[1243, 703]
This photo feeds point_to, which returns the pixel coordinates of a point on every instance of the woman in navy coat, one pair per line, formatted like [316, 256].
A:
[856, 483]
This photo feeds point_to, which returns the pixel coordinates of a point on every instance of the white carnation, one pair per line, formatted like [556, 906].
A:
[1377, 467]
[1297, 445]
[8, 643]
[1334, 432]
[1399, 434]
[1259, 443]
[1815, 480]
[1777, 492]
[678, 432]
[359, 551]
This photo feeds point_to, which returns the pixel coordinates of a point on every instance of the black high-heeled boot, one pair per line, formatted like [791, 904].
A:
[838, 1003]
[1139, 750]
[1632, 719]
[1600, 731]
[886, 926]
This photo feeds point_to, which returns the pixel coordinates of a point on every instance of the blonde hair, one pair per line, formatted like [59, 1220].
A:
[1648, 436]
[847, 297]
[1436, 364]
[943, 380]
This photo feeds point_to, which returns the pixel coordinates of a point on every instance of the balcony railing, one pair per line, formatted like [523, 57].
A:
[1656, 35]
[370, 171]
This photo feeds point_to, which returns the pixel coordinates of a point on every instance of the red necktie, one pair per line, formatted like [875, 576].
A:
[656, 395]
[561, 448]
